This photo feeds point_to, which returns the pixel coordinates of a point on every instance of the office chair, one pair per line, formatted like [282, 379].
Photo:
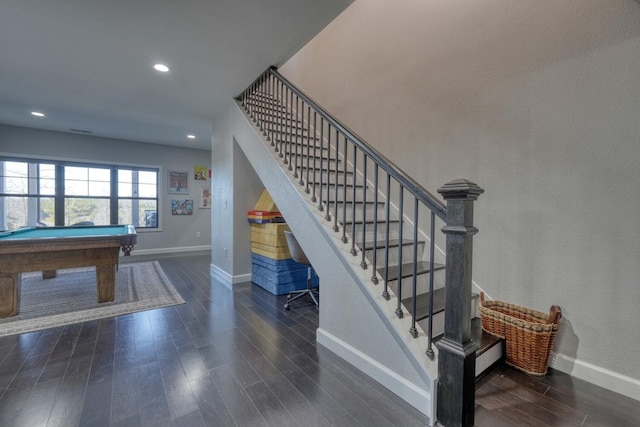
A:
[298, 255]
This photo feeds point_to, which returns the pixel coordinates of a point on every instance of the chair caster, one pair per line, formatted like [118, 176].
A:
[287, 306]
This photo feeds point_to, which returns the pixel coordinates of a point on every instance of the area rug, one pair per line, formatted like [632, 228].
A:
[72, 297]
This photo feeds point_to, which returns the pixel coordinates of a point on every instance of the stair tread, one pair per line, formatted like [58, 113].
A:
[484, 340]
[325, 170]
[302, 158]
[341, 184]
[422, 304]
[370, 221]
[407, 269]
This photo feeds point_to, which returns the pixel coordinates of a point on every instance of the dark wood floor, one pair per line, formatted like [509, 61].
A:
[235, 358]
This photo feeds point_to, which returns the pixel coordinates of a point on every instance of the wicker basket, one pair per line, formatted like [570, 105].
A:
[529, 334]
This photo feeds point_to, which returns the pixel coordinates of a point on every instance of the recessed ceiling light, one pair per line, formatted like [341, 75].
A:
[190, 136]
[37, 114]
[161, 67]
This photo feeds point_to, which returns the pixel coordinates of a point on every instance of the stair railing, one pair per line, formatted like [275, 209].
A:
[338, 168]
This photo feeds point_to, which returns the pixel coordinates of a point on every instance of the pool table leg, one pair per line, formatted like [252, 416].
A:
[49, 274]
[106, 281]
[10, 294]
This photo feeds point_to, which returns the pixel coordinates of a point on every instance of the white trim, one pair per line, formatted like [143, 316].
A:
[79, 160]
[409, 392]
[597, 375]
[242, 278]
[228, 279]
[219, 273]
[170, 250]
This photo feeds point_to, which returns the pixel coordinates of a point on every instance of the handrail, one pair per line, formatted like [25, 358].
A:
[409, 183]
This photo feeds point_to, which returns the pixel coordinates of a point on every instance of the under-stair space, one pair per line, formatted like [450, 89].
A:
[389, 230]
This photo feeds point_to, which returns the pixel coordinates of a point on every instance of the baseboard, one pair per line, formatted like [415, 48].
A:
[597, 375]
[409, 392]
[227, 278]
[158, 251]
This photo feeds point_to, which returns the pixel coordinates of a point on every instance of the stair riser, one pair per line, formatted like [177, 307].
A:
[422, 283]
[329, 179]
[369, 216]
[331, 184]
[287, 134]
[438, 324]
[304, 161]
[331, 189]
[267, 113]
[341, 196]
[253, 101]
[349, 213]
[407, 254]
[369, 232]
[304, 150]
[438, 318]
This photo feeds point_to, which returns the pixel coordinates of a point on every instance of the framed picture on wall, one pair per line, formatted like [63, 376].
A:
[200, 173]
[178, 182]
[181, 207]
[205, 198]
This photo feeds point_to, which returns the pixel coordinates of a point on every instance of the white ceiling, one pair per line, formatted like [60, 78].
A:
[87, 64]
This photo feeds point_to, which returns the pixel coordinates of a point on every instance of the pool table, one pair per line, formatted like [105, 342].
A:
[48, 249]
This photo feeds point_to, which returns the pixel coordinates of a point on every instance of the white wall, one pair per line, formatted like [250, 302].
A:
[178, 233]
[538, 103]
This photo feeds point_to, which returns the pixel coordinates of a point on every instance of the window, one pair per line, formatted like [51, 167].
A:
[45, 193]
[138, 197]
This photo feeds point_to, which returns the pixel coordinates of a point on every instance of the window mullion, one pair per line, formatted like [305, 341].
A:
[59, 197]
[113, 198]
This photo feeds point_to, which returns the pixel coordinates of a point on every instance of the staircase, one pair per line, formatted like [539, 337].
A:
[383, 219]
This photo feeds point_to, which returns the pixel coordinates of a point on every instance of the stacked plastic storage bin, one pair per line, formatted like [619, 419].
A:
[272, 266]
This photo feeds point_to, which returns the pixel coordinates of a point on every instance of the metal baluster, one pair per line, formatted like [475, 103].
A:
[252, 102]
[385, 292]
[278, 138]
[315, 149]
[401, 215]
[328, 206]
[283, 121]
[301, 182]
[414, 284]
[344, 191]
[363, 262]
[270, 110]
[297, 139]
[354, 252]
[289, 132]
[320, 205]
[432, 246]
[247, 93]
[374, 277]
[261, 106]
[335, 202]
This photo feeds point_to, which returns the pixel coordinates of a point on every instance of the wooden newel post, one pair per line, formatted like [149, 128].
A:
[457, 353]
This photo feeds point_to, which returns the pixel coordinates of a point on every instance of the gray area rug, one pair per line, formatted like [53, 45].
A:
[72, 297]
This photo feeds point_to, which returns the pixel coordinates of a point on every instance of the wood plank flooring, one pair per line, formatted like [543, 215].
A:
[235, 358]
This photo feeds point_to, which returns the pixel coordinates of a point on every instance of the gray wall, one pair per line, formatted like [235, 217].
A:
[178, 233]
[537, 102]
[236, 189]
[367, 336]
